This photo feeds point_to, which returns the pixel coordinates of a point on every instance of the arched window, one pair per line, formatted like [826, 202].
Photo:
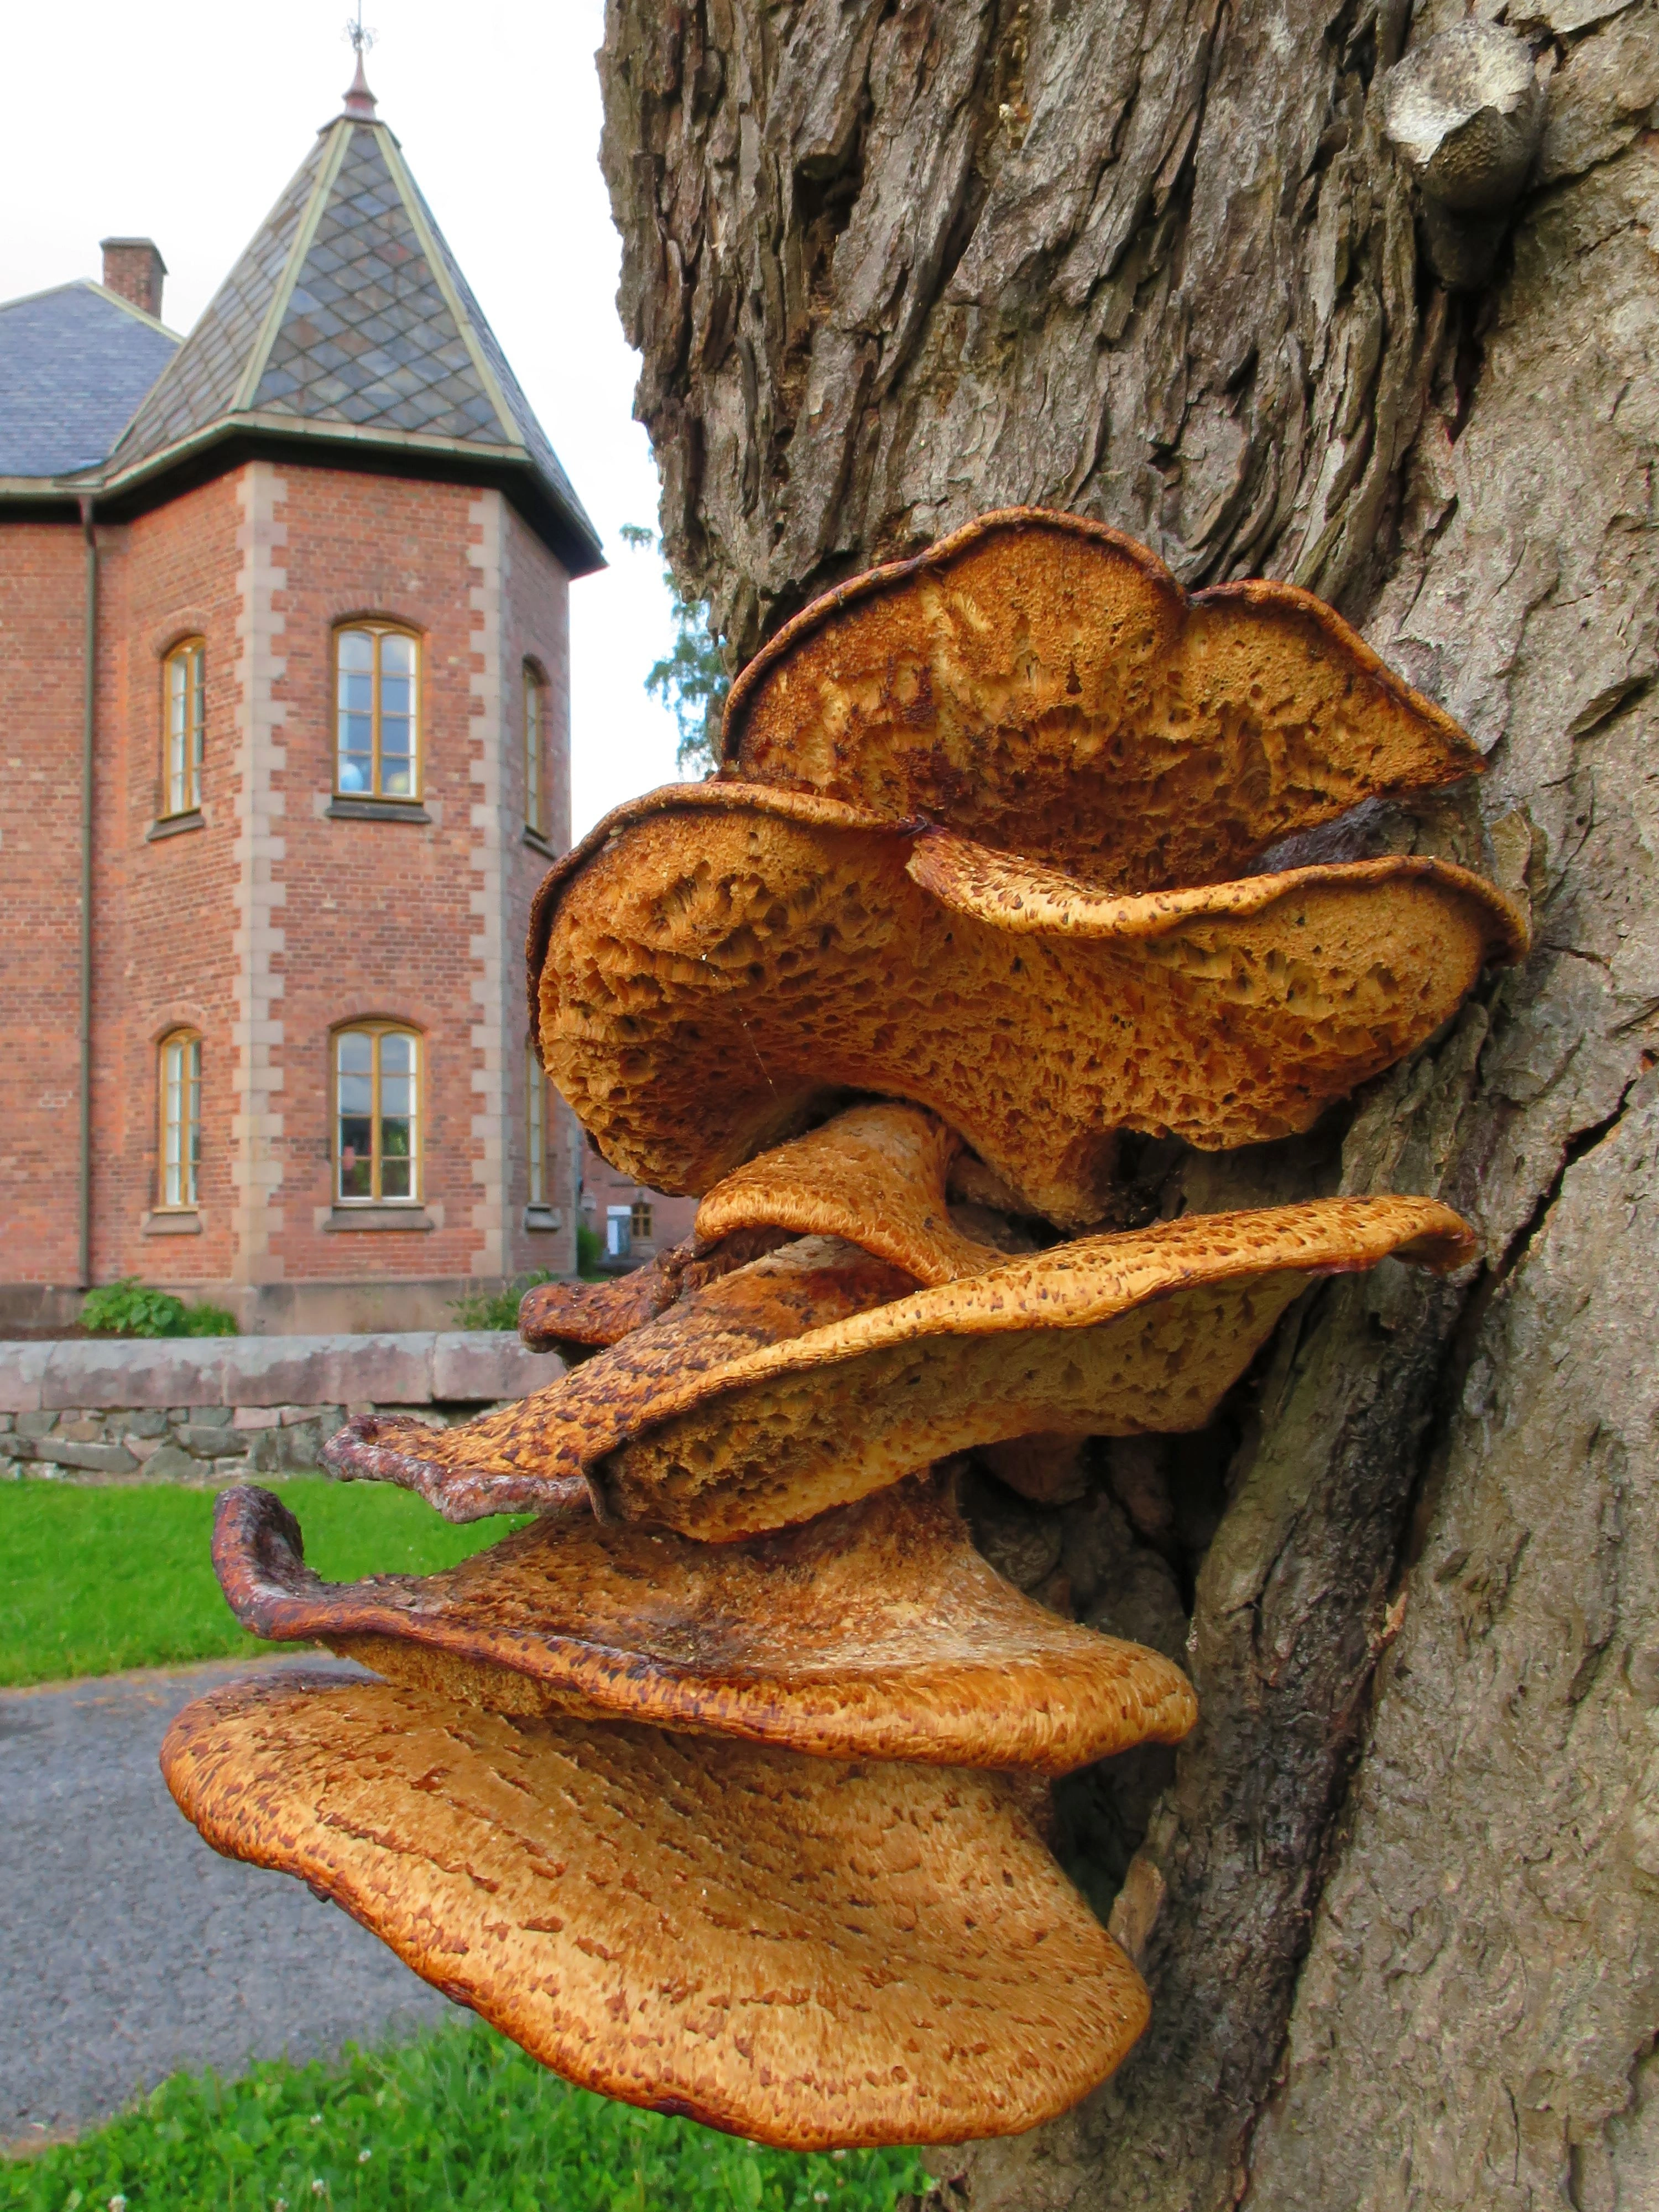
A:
[377, 668]
[535, 748]
[184, 720]
[377, 1113]
[179, 1152]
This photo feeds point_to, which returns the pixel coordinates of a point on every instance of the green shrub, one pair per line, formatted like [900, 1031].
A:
[459, 2118]
[590, 1250]
[495, 1308]
[129, 1308]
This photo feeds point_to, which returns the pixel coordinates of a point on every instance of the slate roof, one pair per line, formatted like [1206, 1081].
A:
[74, 363]
[348, 320]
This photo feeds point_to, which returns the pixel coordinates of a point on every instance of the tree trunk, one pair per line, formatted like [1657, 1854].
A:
[893, 262]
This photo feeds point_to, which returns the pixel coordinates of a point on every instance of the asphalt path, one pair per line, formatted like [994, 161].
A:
[127, 1947]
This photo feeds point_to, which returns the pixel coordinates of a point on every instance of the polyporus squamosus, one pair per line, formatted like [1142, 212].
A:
[1137, 1334]
[812, 1953]
[718, 961]
[1043, 685]
[688, 1794]
[874, 1631]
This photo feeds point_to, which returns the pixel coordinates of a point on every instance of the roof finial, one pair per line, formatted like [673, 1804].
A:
[359, 99]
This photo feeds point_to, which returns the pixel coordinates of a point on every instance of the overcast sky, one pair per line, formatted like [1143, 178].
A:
[182, 122]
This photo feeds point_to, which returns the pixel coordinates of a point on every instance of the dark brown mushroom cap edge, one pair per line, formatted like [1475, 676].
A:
[875, 1632]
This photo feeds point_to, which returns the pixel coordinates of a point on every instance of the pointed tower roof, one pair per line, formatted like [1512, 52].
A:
[347, 323]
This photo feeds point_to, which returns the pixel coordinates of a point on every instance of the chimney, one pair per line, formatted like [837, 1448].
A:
[134, 267]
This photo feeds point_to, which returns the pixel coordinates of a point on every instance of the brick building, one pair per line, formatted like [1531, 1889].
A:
[284, 677]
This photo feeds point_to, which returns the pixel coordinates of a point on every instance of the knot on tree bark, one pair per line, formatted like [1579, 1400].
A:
[1465, 111]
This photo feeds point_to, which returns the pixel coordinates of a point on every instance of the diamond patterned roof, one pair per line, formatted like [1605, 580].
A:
[348, 316]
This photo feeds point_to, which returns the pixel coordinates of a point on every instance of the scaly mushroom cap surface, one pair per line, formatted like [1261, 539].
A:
[875, 1176]
[718, 961]
[812, 1955]
[803, 1286]
[875, 1632]
[1118, 1335]
[1044, 684]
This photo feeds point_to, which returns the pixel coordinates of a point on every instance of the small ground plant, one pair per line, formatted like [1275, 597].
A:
[460, 2118]
[129, 1308]
[495, 1308]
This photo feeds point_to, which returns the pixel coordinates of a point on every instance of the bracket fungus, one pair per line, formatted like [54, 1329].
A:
[720, 1786]
[874, 1631]
[717, 962]
[1043, 685]
[1132, 1334]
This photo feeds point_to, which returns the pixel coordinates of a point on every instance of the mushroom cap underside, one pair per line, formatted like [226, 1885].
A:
[1126, 1335]
[714, 972]
[876, 1632]
[810, 1953]
[1044, 684]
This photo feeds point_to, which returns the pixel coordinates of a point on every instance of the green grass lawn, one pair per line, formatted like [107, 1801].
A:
[460, 2118]
[92, 1581]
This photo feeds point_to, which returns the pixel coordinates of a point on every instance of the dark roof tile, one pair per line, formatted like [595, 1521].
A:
[74, 363]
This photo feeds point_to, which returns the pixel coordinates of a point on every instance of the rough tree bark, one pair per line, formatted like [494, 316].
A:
[893, 262]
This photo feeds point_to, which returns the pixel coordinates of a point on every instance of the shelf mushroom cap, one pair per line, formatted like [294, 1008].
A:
[718, 962]
[1042, 683]
[1117, 1336]
[876, 1175]
[805, 1285]
[875, 1632]
[812, 1954]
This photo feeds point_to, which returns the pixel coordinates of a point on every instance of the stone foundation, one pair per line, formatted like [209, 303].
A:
[215, 1409]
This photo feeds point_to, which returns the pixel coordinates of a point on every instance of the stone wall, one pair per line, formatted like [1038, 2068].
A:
[213, 1409]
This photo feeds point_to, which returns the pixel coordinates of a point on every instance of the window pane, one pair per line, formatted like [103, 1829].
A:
[397, 656]
[397, 695]
[397, 1095]
[397, 1054]
[192, 1116]
[395, 1177]
[536, 1103]
[357, 1095]
[356, 649]
[357, 1167]
[397, 769]
[356, 1049]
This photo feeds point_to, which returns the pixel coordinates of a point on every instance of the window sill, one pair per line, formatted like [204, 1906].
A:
[542, 1216]
[181, 1223]
[343, 808]
[174, 825]
[537, 844]
[357, 1217]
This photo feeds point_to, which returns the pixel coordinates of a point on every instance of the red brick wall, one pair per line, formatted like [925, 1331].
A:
[375, 917]
[41, 617]
[163, 911]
